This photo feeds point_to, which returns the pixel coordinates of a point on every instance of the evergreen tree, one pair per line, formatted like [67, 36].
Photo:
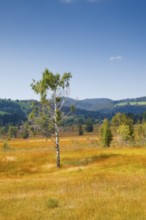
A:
[80, 129]
[25, 130]
[106, 135]
[89, 125]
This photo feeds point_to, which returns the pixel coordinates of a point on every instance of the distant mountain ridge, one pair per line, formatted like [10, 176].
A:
[102, 104]
[15, 112]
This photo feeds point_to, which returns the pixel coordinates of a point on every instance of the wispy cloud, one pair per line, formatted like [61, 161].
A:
[114, 58]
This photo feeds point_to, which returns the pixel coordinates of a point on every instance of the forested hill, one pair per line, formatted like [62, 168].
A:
[15, 112]
[12, 112]
[103, 107]
[104, 104]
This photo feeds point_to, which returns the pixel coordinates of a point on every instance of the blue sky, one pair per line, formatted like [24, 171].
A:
[101, 42]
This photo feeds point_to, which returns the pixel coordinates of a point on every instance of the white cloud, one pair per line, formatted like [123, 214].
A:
[113, 58]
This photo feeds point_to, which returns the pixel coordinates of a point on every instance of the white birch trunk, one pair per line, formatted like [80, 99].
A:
[56, 134]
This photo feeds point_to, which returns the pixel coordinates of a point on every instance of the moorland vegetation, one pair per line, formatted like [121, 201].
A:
[103, 158]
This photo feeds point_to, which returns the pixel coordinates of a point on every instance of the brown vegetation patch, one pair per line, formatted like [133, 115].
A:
[48, 166]
[75, 168]
[10, 158]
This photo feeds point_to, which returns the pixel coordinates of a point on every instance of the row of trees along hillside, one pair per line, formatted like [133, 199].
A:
[42, 127]
[11, 113]
[15, 112]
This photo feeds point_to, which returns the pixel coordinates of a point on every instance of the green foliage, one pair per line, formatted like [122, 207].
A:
[16, 112]
[26, 105]
[40, 120]
[123, 119]
[5, 146]
[52, 203]
[140, 132]
[106, 135]
[44, 114]
[25, 135]
[25, 130]
[72, 108]
[50, 83]
[124, 132]
[12, 132]
[87, 160]
[120, 119]
[89, 125]
[47, 115]
[10, 113]
[80, 129]
[3, 131]
[144, 117]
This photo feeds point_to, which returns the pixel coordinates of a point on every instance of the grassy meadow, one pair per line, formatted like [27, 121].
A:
[92, 184]
[131, 103]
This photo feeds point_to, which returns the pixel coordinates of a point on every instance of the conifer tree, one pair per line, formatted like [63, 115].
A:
[106, 135]
[80, 129]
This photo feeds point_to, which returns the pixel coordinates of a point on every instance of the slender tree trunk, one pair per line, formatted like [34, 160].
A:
[57, 147]
[56, 134]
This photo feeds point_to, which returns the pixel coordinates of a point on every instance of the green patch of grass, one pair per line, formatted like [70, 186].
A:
[52, 203]
[130, 103]
[87, 160]
[4, 113]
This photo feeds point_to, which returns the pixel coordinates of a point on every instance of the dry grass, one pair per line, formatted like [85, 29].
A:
[93, 183]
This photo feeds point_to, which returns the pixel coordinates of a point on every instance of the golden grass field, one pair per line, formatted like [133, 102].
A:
[92, 184]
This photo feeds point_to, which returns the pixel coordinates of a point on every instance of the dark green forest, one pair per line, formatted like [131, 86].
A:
[16, 112]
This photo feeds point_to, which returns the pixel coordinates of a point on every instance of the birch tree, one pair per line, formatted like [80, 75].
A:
[48, 113]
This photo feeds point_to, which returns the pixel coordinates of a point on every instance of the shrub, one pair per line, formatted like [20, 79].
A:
[89, 125]
[5, 146]
[52, 203]
[80, 129]
[124, 133]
